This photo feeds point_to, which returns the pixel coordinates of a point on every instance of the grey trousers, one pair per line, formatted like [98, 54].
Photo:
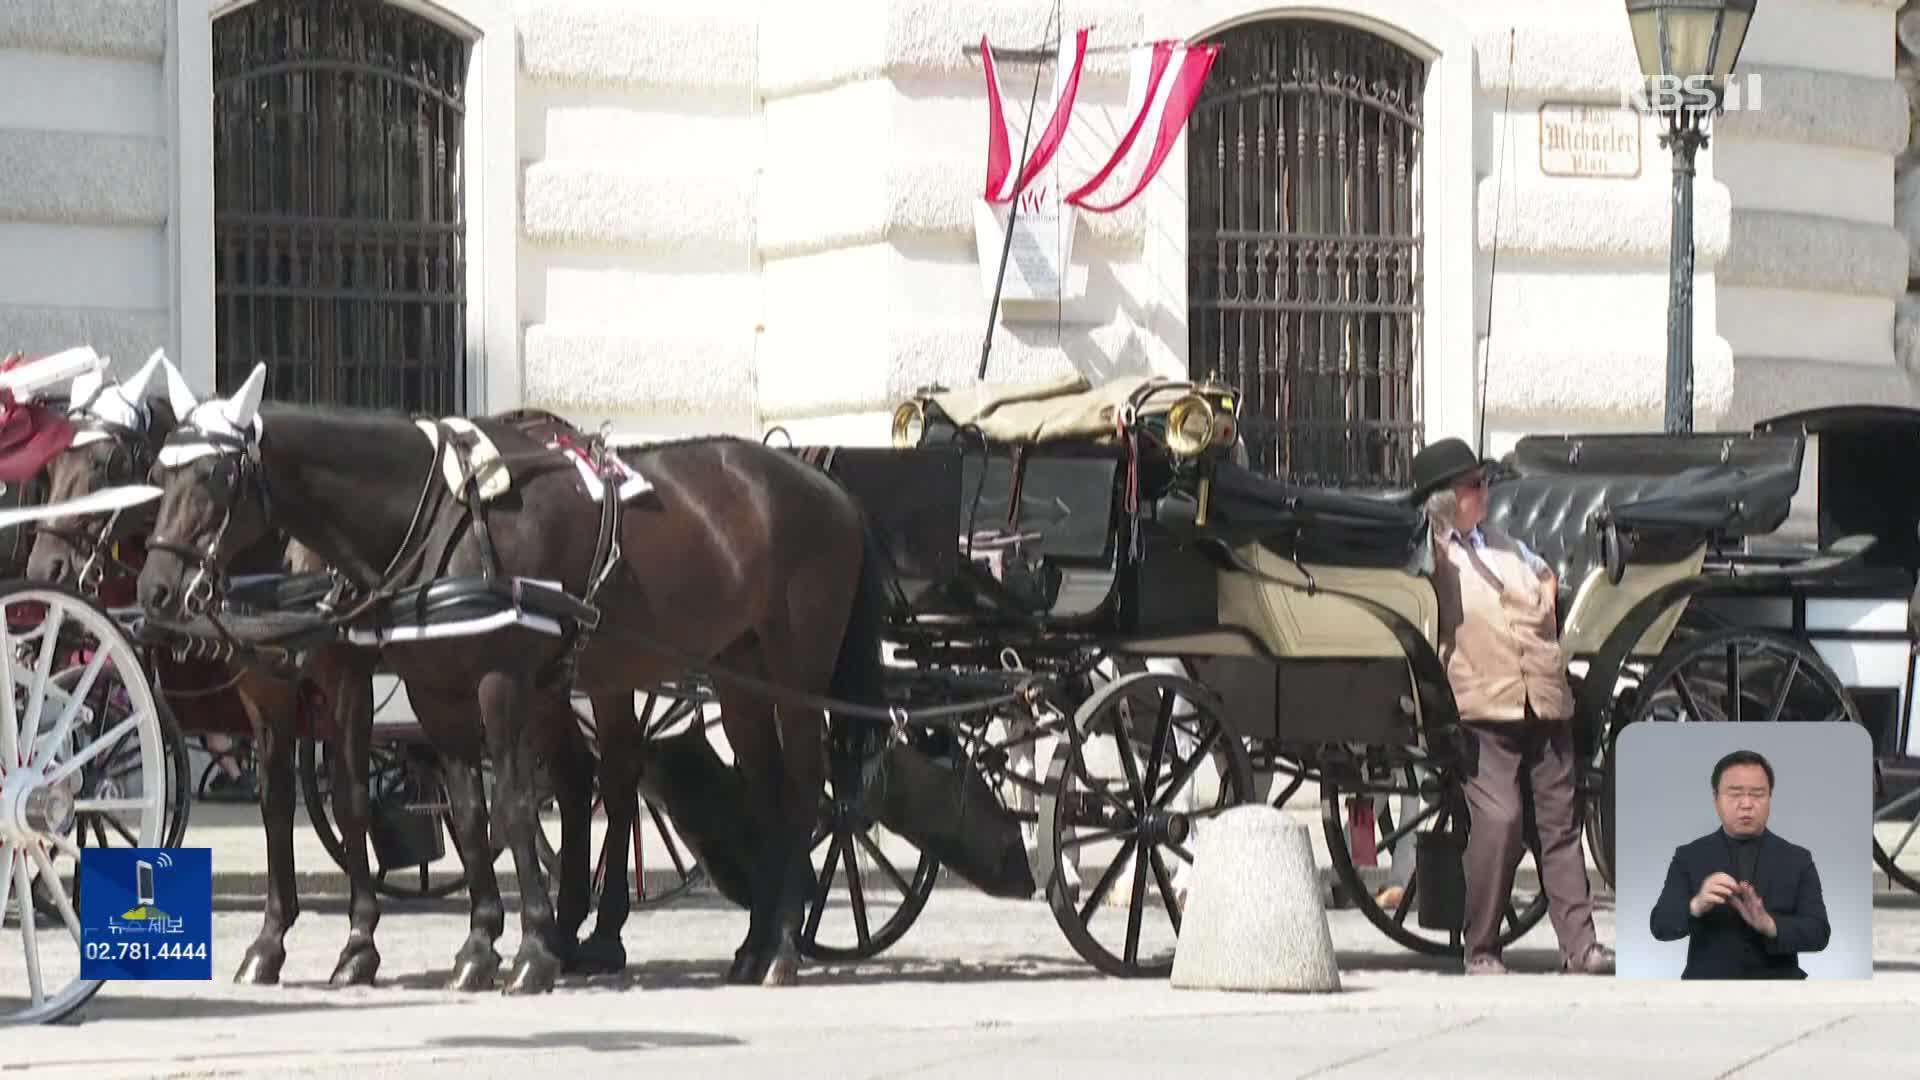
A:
[1514, 761]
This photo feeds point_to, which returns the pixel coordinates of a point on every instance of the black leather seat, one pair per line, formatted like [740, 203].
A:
[1666, 513]
[1553, 514]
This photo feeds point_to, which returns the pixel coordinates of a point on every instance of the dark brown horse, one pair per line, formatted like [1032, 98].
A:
[739, 554]
[118, 433]
[118, 436]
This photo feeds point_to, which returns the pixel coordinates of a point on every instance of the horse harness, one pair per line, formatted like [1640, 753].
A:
[353, 595]
[131, 449]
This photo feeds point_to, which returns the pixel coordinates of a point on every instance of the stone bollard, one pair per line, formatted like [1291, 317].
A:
[1254, 918]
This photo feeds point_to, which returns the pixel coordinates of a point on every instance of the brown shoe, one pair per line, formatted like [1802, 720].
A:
[1486, 964]
[1597, 961]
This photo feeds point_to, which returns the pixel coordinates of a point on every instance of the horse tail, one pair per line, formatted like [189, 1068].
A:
[859, 672]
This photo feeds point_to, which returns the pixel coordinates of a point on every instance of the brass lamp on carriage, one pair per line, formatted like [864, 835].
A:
[910, 417]
[1204, 419]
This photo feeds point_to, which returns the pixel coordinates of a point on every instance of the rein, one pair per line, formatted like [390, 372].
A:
[129, 446]
[210, 583]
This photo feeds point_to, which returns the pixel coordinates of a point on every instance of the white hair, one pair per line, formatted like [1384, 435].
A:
[1443, 509]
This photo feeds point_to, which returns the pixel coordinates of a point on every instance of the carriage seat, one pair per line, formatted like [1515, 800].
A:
[1552, 515]
[1066, 408]
[1553, 512]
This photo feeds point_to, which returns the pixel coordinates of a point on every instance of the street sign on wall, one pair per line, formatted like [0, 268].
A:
[1590, 141]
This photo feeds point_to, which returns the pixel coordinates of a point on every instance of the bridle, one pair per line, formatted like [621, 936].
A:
[242, 456]
[133, 458]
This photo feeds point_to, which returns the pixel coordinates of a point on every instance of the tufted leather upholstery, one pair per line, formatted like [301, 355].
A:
[1553, 514]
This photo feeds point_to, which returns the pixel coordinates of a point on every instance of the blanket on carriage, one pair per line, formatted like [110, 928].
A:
[1066, 408]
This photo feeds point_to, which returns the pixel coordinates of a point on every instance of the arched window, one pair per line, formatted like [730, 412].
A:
[1303, 256]
[339, 216]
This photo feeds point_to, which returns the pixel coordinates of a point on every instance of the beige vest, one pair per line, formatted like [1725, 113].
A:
[1497, 634]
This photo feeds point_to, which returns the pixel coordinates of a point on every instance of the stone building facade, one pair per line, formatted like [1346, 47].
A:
[742, 213]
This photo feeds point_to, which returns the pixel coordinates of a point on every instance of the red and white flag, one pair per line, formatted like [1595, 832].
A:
[1166, 82]
[1003, 181]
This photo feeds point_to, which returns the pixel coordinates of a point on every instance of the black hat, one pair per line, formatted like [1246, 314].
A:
[1441, 463]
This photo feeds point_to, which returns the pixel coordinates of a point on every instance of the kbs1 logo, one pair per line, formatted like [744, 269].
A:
[1668, 93]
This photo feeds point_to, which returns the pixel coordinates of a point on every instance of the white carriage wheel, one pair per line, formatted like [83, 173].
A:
[48, 740]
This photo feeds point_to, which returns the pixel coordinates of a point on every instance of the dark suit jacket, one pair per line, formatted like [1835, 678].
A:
[1721, 945]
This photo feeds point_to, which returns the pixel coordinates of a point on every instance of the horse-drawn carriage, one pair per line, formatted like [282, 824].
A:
[1100, 630]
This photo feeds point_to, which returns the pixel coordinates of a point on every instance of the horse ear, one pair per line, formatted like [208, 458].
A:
[244, 405]
[179, 394]
[135, 389]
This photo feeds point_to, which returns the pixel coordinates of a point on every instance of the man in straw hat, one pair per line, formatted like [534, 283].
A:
[1500, 645]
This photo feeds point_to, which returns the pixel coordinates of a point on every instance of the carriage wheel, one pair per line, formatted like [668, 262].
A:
[44, 628]
[402, 777]
[1430, 798]
[661, 714]
[865, 858]
[115, 775]
[1151, 760]
[1747, 676]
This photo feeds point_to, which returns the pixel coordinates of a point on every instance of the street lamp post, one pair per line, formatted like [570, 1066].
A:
[1687, 49]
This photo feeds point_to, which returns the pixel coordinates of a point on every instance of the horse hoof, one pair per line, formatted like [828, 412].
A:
[742, 972]
[599, 956]
[260, 967]
[474, 973]
[533, 975]
[784, 971]
[356, 967]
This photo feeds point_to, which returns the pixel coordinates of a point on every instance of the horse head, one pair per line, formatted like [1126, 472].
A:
[212, 497]
[116, 435]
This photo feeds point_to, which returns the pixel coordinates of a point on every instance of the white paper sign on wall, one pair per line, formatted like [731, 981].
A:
[1041, 249]
[1590, 141]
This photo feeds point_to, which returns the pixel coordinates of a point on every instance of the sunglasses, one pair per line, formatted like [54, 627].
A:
[1477, 480]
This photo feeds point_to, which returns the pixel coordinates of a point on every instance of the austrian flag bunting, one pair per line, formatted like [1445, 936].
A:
[1001, 186]
[1164, 86]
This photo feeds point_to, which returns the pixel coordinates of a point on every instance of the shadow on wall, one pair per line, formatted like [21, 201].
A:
[1100, 340]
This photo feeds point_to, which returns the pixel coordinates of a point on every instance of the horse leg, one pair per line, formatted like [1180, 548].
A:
[475, 965]
[620, 748]
[346, 680]
[798, 661]
[570, 766]
[269, 703]
[750, 728]
[506, 699]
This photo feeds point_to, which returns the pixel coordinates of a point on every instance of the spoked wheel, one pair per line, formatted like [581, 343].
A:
[666, 713]
[887, 881]
[1380, 805]
[48, 748]
[1738, 675]
[405, 788]
[1151, 760]
[412, 851]
[113, 776]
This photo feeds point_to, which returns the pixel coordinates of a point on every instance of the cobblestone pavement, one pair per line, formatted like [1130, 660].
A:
[977, 987]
